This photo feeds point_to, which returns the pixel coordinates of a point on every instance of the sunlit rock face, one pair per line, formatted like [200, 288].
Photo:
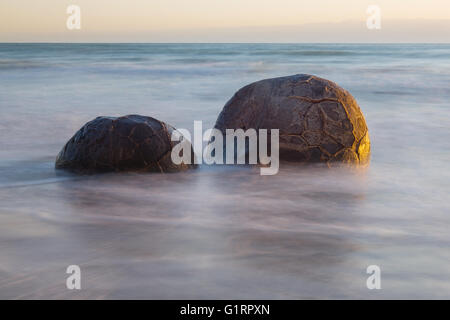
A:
[318, 120]
[129, 143]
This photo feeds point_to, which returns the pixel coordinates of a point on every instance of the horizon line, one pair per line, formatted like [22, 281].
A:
[219, 42]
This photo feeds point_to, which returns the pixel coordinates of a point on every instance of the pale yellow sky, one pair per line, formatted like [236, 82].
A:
[152, 20]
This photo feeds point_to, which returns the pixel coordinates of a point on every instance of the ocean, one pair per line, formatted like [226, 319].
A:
[223, 232]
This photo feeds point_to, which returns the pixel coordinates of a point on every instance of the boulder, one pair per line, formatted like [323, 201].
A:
[128, 143]
[318, 121]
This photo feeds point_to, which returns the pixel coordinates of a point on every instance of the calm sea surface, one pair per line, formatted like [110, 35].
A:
[307, 232]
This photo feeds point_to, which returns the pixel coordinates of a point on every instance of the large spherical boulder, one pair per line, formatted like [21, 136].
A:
[317, 119]
[129, 143]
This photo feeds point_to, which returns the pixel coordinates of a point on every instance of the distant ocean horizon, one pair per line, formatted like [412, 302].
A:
[225, 42]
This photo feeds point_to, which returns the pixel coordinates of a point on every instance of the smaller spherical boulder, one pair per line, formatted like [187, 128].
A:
[128, 143]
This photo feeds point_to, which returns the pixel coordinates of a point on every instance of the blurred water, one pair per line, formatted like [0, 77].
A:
[308, 232]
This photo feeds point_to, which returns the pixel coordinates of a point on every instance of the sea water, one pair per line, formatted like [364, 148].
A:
[223, 232]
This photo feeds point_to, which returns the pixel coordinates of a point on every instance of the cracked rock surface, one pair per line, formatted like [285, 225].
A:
[128, 143]
[318, 120]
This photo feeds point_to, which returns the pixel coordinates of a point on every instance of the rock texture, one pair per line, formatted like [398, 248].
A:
[317, 119]
[129, 143]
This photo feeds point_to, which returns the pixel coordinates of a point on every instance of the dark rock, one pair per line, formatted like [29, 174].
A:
[317, 119]
[129, 143]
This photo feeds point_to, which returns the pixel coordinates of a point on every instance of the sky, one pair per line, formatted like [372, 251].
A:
[224, 21]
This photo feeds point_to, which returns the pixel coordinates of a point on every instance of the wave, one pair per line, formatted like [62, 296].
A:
[307, 52]
[20, 64]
